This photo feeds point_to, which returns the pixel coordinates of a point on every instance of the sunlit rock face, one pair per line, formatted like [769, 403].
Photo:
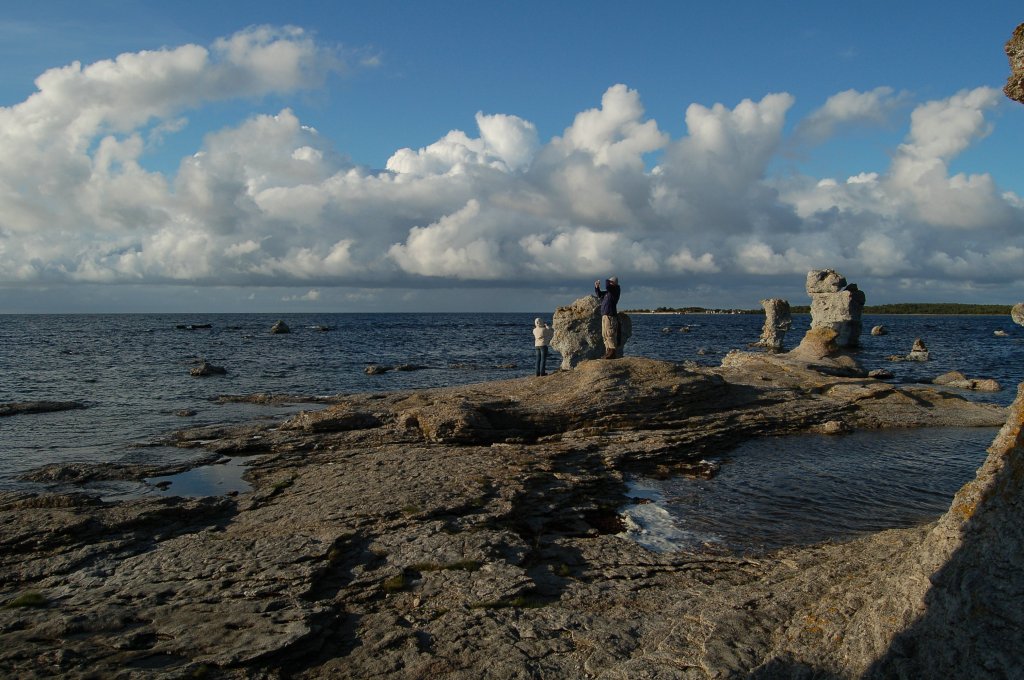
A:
[777, 320]
[836, 304]
[578, 332]
[1015, 52]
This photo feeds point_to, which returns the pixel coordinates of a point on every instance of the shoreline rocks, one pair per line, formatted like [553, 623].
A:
[959, 380]
[441, 531]
[578, 332]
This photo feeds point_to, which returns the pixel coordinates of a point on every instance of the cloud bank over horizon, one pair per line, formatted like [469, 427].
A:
[270, 202]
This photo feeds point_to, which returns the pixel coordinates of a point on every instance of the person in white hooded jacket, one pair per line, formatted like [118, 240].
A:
[542, 334]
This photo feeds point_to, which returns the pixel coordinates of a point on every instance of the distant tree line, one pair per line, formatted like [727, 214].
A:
[894, 308]
[693, 310]
[936, 308]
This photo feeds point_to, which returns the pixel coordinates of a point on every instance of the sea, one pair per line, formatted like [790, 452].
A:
[131, 371]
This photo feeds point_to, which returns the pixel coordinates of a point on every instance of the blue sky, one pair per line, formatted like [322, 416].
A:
[447, 156]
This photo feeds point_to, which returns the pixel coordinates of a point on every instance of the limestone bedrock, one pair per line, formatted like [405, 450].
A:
[435, 533]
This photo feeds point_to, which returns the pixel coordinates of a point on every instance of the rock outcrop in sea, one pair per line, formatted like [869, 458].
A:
[578, 332]
[435, 533]
[918, 352]
[777, 320]
[836, 305]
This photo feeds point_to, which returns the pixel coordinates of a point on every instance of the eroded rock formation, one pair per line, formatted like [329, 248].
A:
[578, 332]
[777, 320]
[836, 304]
[1014, 88]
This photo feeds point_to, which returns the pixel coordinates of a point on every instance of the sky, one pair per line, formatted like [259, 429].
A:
[484, 156]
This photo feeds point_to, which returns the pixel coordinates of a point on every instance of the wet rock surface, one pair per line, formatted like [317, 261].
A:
[14, 408]
[440, 532]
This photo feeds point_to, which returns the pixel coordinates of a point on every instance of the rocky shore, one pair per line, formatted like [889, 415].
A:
[470, 532]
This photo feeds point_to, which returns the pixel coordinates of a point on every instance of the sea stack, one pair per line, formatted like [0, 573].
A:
[836, 305]
[777, 320]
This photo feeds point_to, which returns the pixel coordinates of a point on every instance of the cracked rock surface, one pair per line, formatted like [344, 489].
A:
[469, 531]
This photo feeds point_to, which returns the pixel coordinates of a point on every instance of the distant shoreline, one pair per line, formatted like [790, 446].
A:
[901, 308]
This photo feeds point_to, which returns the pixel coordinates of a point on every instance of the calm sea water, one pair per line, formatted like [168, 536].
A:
[132, 371]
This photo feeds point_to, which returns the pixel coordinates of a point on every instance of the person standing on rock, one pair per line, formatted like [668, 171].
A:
[542, 334]
[609, 314]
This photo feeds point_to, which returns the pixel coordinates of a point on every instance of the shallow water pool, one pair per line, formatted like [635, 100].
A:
[798, 490]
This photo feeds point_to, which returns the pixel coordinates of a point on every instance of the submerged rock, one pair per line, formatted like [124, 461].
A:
[13, 408]
[280, 327]
[206, 368]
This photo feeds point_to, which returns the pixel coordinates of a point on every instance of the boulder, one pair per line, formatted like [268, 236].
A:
[1017, 313]
[578, 332]
[206, 368]
[817, 343]
[1014, 88]
[917, 353]
[777, 320]
[280, 327]
[879, 330]
[961, 381]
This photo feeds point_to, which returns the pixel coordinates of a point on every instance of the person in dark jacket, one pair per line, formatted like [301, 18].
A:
[609, 314]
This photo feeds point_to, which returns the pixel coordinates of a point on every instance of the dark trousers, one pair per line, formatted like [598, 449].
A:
[542, 360]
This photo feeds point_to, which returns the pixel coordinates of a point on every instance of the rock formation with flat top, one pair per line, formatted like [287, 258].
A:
[836, 305]
[578, 332]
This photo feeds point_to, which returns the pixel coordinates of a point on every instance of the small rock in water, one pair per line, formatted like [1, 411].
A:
[206, 368]
[280, 327]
